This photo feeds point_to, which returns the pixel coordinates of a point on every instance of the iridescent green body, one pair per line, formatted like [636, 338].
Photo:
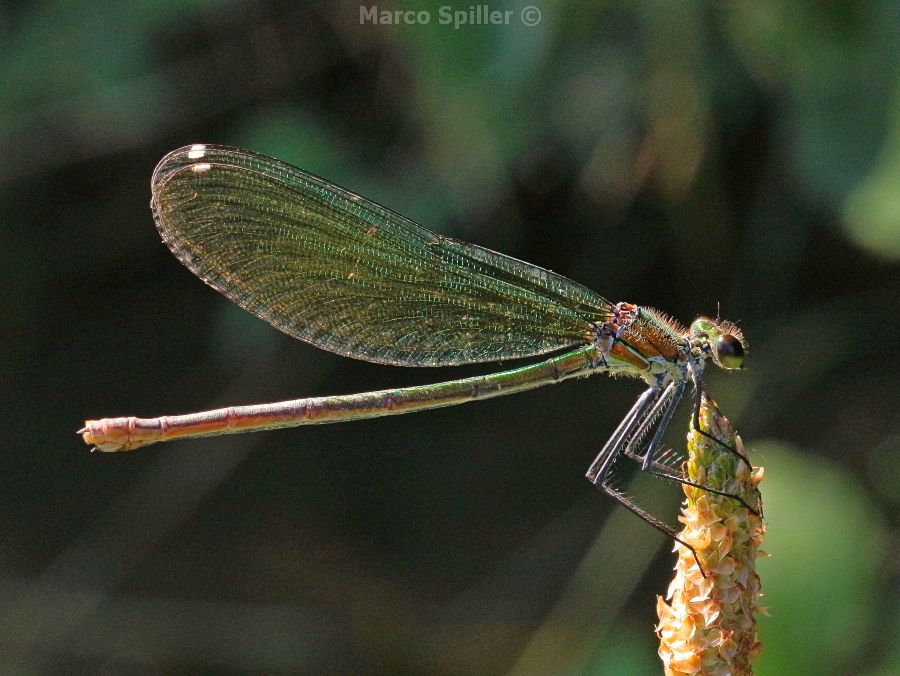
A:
[124, 434]
[345, 274]
[341, 272]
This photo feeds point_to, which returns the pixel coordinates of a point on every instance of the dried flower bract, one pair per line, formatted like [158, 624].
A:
[707, 621]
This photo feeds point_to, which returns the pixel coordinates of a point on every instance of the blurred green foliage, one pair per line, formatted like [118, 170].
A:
[830, 531]
[676, 154]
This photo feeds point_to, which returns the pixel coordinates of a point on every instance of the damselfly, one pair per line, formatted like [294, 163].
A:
[341, 272]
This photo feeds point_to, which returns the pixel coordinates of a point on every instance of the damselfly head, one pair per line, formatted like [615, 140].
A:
[726, 341]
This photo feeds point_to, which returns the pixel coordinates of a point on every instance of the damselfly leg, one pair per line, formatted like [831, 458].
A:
[639, 438]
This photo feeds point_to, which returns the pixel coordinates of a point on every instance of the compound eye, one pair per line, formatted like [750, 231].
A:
[730, 352]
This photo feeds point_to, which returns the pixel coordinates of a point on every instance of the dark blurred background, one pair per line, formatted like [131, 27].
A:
[676, 154]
